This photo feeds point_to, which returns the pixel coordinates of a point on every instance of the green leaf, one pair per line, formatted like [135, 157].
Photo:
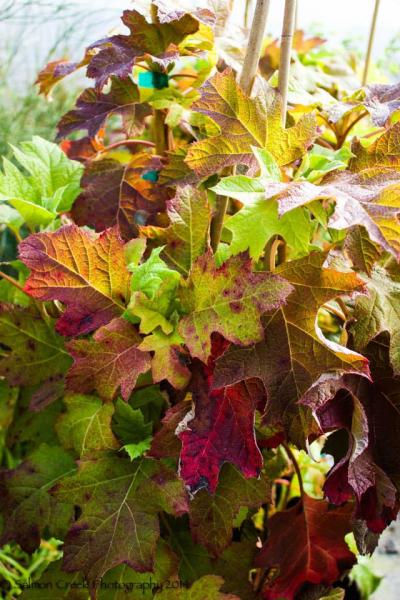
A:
[212, 516]
[229, 300]
[86, 425]
[67, 586]
[364, 577]
[148, 276]
[186, 237]
[32, 351]
[129, 426]
[170, 360]
[257, 223]
[27, 506]
[51, 184]
[140, 586]
[207, 587]
[153, 300]
[319, 161]
[119, 502]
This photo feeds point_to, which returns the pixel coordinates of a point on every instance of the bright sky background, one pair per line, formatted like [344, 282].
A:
[336, 19]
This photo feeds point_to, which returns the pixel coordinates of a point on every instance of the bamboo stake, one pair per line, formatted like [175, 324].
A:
[371, 42]
[246, 81]
[256, 36]
[286, 48]
[247, 8]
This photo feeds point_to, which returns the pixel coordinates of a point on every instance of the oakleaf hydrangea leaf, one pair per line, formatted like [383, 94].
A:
[380, 100]
[114, 193]
[109, 362]
[294, 353]
[246, 122]
[170, 360]
[140, 586]
[50, 188]
[344, 403]
[93, 108]
[35, 352]
[360, 199]
[27, 506]
[86, 425]
[207, 587]
[119, 523]
[378, 311]
[318, 553]
[361, 250]
[153, 300]
[130, 428]
[229, 300]
[186, 237]
[118, 53]
[85, 272]
[220, 428]
[212, 517]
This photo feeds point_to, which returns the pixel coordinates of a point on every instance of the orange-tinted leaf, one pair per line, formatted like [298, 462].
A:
[85, 272]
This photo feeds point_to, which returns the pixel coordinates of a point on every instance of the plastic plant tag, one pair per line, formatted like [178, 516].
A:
[151, 79]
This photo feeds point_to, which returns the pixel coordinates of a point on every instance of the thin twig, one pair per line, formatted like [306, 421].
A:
[286, 49]
[370, 42]
[296, 467]
[129, 142]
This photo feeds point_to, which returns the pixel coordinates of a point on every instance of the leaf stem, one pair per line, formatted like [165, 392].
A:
[286, 50]
[296, 467]
[129, 142]
[13, 282]
[217, 221]
[276, 245]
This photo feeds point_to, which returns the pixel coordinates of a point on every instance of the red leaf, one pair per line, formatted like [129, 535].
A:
[306, 544]
[221, 429]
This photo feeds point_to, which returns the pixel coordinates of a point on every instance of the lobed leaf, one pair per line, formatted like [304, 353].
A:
[109, 362]
[86, 273]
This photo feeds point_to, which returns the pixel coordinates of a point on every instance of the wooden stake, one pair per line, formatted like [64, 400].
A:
[246, 81]
[286, 49]
[370, 42]
[252, 57]
[247, 9]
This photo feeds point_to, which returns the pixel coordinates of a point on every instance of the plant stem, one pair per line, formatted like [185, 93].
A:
[370, 42]
[217, 221]
[13, 282]
[286, 49]
[160, 130]
[296, 467]
[129, 142]
[250, 64]
[276, 245]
